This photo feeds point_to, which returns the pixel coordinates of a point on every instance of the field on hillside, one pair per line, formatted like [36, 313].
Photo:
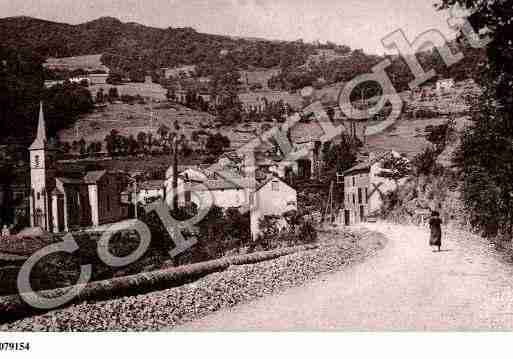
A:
[146, 90]
[255, 98]
[86, 62]
[406, 136]
[258, 76]
[132, 119]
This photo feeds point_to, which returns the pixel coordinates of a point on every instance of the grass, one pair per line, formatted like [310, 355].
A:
[86, 62]
[253, 98]
[146, 90]
[132, 119]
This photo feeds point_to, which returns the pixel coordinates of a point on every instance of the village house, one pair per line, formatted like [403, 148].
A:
[266, 196]
[146, 192]
[444, 85]
[272, 197]
[188, 87]
[204, 187]
[364, 188]
[184, 71]
[98, 79]
[307, 137]
[14, 198]
[249, 78]
[63, 201]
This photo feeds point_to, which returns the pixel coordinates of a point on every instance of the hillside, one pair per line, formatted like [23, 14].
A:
[407, 135]
[130, 46]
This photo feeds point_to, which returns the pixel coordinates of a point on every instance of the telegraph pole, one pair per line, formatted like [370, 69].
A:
[135, 199]
[175, 172]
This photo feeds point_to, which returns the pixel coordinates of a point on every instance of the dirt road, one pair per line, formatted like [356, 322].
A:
[405, 287]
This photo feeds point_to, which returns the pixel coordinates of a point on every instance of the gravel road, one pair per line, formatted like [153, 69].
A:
[406, 286]
[165, 309]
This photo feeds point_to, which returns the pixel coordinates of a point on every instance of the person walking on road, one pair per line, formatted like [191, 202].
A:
[435, 226]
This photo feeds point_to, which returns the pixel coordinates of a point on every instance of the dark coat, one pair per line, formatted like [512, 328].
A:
[435, 225]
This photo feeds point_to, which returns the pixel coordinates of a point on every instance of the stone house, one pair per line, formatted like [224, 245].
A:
[364, 188]
[272, 197]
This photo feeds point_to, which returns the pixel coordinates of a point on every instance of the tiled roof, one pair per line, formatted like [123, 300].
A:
[366, 165]
[90, 177]
[94, 176]
[269, 179]
[154, 184]
[222, 183]
[306, 132]
[67, 180]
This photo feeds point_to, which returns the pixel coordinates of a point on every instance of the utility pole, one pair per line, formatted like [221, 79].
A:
[175, 172]
[328, 213]
[135, 198]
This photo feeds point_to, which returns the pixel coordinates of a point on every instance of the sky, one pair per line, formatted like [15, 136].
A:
[356, 23]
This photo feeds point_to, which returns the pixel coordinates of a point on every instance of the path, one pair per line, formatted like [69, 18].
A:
[405, 287]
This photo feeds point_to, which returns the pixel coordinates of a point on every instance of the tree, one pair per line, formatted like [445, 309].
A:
[82, 146]
[110, 145]
[341, 155]
[217, 144]
[163, 132]
[65, 147]
[439, 135]
[171, 94]
[100, 96]
[141, 140]
[74, 146]
[395, 168]
[425, 162]
[114, 78]
[133, 145]
[485, 157]
[113, 93]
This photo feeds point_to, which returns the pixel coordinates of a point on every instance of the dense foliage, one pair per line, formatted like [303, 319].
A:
[486, 153]
[134, 49]
[21, 90]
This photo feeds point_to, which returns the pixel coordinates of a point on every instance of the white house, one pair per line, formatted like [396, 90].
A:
[149, 191]
[206, 188]
[270, 197]
[444, 85]
[273, 197]
[364, 188]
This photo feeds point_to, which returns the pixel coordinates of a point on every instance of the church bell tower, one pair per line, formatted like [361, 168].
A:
[41, 179]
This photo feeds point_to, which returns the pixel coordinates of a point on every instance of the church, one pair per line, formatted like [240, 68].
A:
[63, 201]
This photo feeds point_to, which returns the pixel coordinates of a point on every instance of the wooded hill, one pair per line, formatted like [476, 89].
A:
[131, 46]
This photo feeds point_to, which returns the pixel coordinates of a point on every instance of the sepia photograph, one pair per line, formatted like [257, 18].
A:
[255, 166]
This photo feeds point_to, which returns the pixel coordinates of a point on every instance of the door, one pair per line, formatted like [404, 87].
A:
[347, 217]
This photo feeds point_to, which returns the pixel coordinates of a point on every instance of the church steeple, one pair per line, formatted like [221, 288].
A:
[41, 141]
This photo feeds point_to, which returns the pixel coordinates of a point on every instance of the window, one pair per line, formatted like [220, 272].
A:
[366, 195]
[354, 181]
[37, 161]
[354, 199]
[275, 186]
[108, 203]
[360, 199]
[340, 178]
[38, 196]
